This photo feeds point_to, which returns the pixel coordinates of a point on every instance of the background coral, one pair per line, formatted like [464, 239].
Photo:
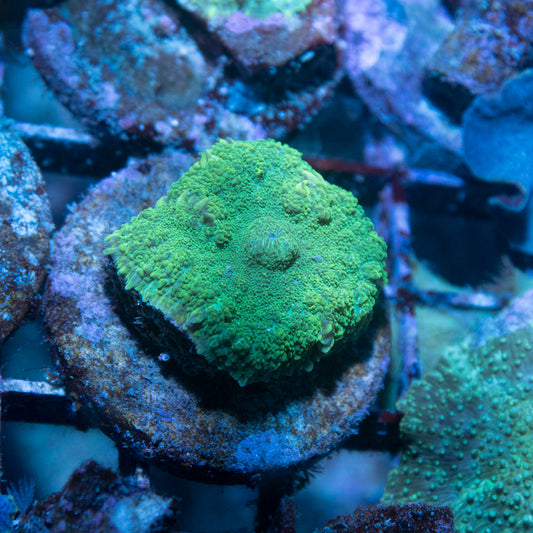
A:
[468, 432]
[498, 145]
[256, 258]
[251, 8]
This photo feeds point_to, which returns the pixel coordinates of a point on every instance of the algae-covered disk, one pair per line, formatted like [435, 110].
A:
[259, 261]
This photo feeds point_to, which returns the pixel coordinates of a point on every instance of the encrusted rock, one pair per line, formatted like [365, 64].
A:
[491, 42]
[411, 517]
[24, 232]
[95, 500]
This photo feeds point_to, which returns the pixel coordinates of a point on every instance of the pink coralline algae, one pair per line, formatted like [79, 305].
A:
[254, 41]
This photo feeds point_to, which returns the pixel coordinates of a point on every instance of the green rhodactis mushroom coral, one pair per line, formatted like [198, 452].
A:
[256, 258]
[469, 432]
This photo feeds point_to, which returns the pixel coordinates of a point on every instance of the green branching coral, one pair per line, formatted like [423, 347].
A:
[256, 258]
[469, 430]
[251, 8]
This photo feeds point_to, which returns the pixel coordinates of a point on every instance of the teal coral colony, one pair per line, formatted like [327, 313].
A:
[251, 8]
[259, 261]
[469, 430]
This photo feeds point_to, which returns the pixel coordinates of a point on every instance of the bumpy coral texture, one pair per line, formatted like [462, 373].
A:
[469, 429]
[251, 8]
[256, 258]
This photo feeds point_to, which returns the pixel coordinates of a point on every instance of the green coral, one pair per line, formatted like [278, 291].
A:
[469, 432]
[256, 258]
[252, 8]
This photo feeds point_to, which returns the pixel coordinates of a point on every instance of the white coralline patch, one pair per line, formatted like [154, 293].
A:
[24, 206]
[24, 222]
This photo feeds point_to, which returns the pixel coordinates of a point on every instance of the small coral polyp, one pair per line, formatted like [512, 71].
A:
[271, 244]
[252, 255]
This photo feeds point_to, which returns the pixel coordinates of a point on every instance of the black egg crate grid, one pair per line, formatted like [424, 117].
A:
[67, 150]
